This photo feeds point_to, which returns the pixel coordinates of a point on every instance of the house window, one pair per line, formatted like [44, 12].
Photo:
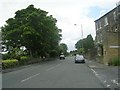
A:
[114, 15]
[100, 25]
[116, 29]
[96, 26]
[101, 38]
[106, 21]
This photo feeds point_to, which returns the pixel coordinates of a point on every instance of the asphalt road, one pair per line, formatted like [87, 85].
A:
[53, 74]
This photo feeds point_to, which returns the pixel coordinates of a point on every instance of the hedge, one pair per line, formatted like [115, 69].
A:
[23, 60]
[9, 63]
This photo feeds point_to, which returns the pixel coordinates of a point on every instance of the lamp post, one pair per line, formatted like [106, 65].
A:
[81, 32]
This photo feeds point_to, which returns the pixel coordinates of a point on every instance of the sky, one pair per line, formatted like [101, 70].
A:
[73, 16]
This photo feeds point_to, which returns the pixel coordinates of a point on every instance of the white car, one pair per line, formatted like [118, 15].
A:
[62, 56]
[79, 59]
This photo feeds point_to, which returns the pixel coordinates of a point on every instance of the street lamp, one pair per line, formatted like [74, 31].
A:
[81, 32]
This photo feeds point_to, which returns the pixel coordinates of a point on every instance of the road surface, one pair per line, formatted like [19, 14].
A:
[53, 74]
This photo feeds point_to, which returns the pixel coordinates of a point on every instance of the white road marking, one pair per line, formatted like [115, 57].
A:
[96, 74]
[108, 85]
[52, 67]
[30, 77]
[105, 81]
[92, 66]
[37, 74]
[115, 81]
[93, 71]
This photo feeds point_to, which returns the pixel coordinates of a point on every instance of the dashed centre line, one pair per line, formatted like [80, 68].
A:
[37, 74]
[30, 77]
[50, 68]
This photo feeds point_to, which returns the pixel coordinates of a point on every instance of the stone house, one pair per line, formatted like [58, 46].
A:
[108, 35]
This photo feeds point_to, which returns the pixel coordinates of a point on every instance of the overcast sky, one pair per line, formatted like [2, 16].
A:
[67, 13]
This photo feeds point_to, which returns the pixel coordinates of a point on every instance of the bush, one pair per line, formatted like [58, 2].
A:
[53, 53]
[9, 63]
[23, 59]
[6, 56]
[9, 56]
[115, 61]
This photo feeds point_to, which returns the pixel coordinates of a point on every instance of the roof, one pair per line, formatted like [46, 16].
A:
[107, 13]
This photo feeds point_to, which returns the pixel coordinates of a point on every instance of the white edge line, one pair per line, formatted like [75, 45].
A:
[95, 72]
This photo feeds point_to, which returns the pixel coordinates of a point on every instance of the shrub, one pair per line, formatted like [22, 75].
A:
[6, 56]
[23, 59]
[53, 53]
[9, 56]
[115, 61]
[9, 63]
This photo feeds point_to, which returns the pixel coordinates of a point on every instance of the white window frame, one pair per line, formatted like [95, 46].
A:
[106, 21]
[114, 16]
[97, 26]
[100, 25]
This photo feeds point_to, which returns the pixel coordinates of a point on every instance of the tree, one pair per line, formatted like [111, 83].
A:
[81, 51]
[63, 48]
[90, 42]
[85, 44]
[74, 52]
[32, 28]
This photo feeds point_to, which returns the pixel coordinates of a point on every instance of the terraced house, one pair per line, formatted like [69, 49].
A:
[108, 35]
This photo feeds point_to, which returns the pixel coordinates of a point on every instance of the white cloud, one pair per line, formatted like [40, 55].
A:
[67, 12]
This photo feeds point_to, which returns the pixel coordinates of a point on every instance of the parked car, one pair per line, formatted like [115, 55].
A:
[62, 56]
[79, 59]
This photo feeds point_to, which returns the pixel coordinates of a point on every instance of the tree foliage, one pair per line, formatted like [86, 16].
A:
[63, 48]
[86, 43]
[32, 28]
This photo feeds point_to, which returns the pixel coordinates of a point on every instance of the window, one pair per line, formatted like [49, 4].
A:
[114, 15]
[106, 21]
[100, 25]
[116, 29]
[96, 26]
[101, 37]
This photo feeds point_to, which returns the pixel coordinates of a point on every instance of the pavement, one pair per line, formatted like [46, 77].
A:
[108, 75]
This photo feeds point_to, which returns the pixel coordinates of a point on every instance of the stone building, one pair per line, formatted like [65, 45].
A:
[108, 35]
